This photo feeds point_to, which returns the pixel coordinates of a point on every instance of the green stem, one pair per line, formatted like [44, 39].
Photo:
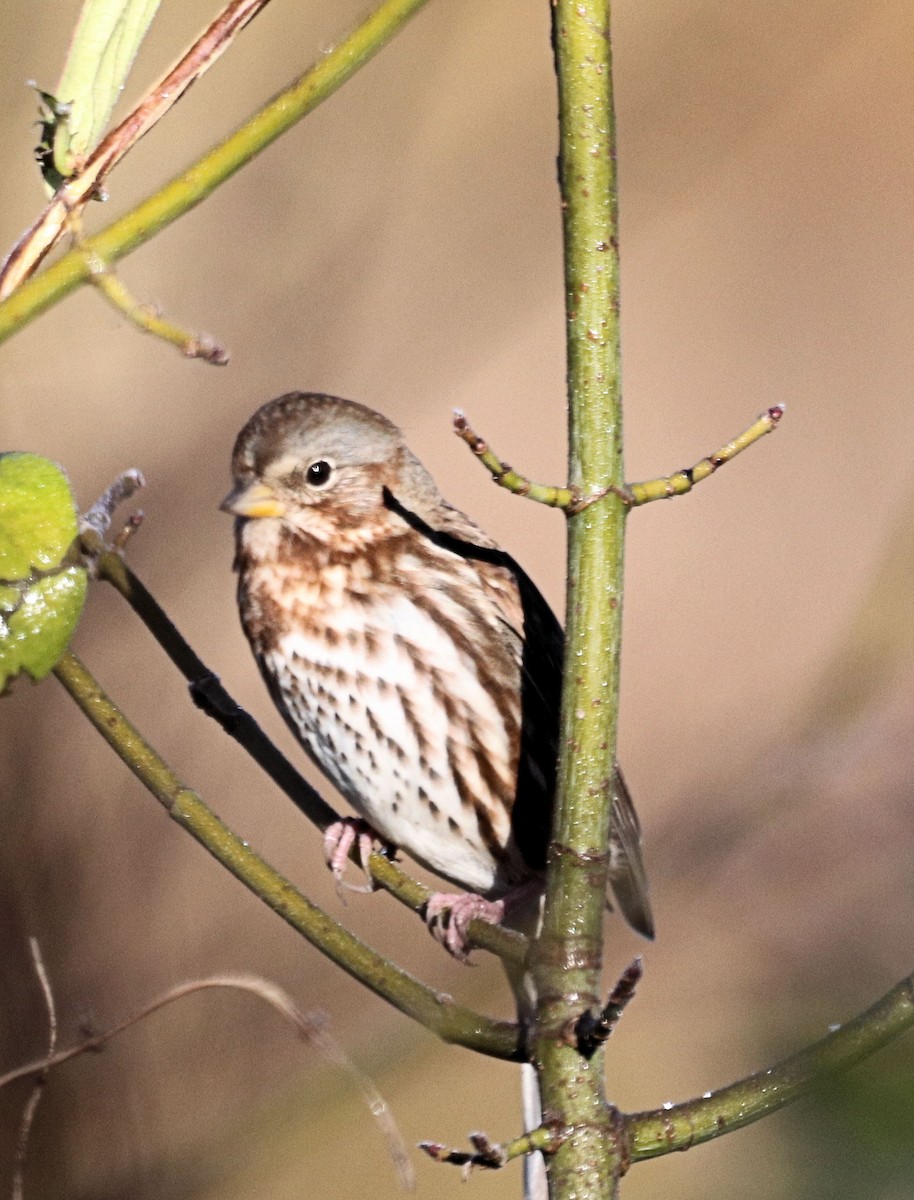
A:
[437, 1012]
[569, 953]
[198, 181]
[683, 1125]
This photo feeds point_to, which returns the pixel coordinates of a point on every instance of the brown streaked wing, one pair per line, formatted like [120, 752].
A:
[533, 640]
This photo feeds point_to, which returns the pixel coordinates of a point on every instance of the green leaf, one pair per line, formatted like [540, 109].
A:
[105, 43]
[42, 583]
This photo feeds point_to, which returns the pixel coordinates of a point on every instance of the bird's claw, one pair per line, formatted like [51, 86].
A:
[339, 838]
[448, 916]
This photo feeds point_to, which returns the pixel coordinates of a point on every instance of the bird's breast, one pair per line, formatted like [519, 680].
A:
[389, 687]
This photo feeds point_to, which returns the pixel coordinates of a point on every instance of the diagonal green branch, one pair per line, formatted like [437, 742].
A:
[210, 695]
[204, 176]
[437, 1012]
[681, 482]
[683, 1125]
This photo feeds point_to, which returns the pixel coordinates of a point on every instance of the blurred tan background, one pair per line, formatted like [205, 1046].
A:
[402, 247]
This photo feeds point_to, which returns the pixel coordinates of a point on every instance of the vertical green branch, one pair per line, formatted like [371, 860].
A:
[569, 955]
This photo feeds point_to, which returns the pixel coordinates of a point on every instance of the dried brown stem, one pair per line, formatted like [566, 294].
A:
[311, 1027]
[596, 1027]
[40, 1071]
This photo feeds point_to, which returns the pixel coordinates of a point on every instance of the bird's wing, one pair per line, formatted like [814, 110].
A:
[536, 635]
[531, 641]
[627, 876]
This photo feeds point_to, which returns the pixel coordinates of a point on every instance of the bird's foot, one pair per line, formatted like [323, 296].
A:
[339, 838]
[448, 916]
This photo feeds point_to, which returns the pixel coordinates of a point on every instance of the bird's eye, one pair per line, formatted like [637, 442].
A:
[319, 473]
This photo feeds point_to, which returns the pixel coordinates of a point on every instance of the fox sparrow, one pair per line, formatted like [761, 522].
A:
[413, 659]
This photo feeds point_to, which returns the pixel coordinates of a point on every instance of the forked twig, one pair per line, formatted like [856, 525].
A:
[572, 500]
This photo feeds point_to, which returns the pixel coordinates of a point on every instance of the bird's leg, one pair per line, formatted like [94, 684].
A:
[340, 837]
[448, 914]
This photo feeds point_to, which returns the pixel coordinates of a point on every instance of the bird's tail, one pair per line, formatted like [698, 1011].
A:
[526, 917]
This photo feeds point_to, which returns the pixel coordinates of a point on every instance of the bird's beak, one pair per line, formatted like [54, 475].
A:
[253, 500]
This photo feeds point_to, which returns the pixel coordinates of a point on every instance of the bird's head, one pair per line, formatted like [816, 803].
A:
[321, 468]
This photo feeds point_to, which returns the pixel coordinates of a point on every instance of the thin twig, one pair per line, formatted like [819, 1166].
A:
[683, 481]
[98, 518]
[507, 477]
[493, 1155]
[145, 317]
[310, 1026]
[39, 1070]
[85, 183]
